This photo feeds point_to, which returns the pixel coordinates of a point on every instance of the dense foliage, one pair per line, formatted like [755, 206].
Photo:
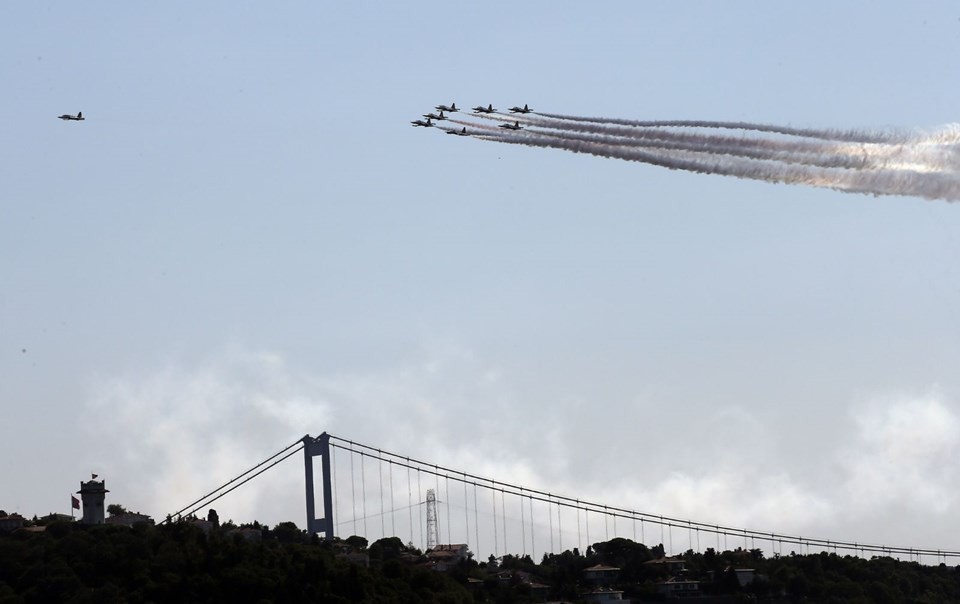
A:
[180, 562]
[72, 563]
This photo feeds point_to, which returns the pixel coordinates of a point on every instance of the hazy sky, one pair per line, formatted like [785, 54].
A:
[246, 242]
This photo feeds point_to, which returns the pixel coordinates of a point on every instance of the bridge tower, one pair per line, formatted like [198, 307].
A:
[311, 448]
[431, 519]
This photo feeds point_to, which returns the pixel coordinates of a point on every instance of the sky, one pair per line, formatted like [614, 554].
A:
[245, 242]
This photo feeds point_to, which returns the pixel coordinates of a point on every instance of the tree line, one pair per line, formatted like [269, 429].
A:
[180, 561]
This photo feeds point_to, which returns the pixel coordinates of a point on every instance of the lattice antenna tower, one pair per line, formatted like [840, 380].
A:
[431, 519]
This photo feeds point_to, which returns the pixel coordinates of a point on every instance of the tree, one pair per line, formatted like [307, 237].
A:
[287, 532]
[386, 548]
[115, 509]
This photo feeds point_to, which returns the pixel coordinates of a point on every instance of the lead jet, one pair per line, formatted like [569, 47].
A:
[523, 109]
[481, 109]
[513, 126]
[451, 109]
[431, 116]
[461, 132]
[425, 124]
[72, 118]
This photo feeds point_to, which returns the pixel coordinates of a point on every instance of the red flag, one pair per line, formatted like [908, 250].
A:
[75, 502]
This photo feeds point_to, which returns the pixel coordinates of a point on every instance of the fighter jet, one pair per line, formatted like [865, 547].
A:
[451, 109]
[72, 118]
[461, 132]
[513, 126]
[425, 124]
[523, 109]
[481, 109]
[431, 116]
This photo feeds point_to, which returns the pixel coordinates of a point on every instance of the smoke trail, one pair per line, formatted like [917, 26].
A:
[895, 162]
[856, 136]
[787, 152]
[922, 153]
[878, 182]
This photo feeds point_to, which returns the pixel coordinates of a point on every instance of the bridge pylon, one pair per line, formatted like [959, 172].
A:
[311, 448]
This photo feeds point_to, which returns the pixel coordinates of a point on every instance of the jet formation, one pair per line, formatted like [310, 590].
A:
[72, 118]
[442, 112]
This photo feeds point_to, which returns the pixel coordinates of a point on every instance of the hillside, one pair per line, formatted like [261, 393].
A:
[71, 563]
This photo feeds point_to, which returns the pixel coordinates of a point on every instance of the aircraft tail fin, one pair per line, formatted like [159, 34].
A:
[79, 114]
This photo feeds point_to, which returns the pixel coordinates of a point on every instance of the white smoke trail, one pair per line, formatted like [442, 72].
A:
[807, 153]
[920, 152]
[924, 153]
[895, 162]
[857, 136]
[929, 185]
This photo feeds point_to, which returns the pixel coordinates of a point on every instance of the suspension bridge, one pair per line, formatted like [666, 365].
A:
[373, 493]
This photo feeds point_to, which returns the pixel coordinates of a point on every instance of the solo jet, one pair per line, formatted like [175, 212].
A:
[523, 109]
[461, 132]
[72, 118]
[431, 116]
[451, 109]
[425, 124]
[481, 109]
[513, 126]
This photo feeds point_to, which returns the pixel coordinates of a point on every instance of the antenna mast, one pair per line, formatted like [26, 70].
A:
[431, 519]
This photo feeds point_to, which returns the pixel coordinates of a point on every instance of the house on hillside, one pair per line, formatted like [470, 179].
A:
[745, 576]
[11, 522]
[530, 583]
[445, 557]
[602, 595]
[667, 565]
[475, 585]
[460, 550]
[129, 519]
[600, 574]
[676, 588]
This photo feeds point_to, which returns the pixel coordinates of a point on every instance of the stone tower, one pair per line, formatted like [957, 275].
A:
[93, 494]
